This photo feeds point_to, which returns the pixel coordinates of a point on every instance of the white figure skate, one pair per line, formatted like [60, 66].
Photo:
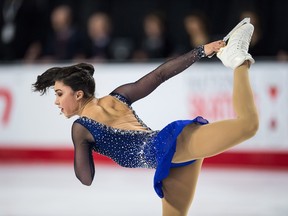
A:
[226, 38]
[236, 50]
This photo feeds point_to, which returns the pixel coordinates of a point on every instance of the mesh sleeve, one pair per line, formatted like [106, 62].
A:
[145, 85]
[83, 158]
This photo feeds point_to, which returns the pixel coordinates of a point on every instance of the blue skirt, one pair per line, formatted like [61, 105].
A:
[165, 143]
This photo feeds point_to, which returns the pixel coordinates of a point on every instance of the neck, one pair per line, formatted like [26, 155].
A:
[86, 104]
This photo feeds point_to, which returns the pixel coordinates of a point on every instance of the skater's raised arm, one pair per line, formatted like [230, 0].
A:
[147, 84]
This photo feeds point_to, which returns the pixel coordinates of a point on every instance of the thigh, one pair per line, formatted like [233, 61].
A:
[179, 188]
[197, 141]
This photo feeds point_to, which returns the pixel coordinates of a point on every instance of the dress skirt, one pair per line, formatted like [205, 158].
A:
[165, 143]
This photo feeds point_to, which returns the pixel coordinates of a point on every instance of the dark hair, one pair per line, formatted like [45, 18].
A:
[78, 77]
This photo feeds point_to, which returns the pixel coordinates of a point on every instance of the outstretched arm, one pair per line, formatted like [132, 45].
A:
[145, 85]
[83, 159]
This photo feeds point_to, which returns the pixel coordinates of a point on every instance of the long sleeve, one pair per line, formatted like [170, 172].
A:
[147, 84]
[83, 158]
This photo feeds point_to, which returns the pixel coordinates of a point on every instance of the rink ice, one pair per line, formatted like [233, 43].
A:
[53, 190]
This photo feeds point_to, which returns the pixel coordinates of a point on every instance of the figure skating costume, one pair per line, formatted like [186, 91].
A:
[144, 148]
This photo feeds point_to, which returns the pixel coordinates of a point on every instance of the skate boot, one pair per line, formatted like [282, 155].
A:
[236, 51]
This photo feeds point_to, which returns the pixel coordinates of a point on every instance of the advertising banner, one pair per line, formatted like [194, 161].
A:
[30, 120]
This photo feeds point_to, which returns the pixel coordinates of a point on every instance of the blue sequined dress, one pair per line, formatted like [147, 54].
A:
[143, 148]
[139, 149]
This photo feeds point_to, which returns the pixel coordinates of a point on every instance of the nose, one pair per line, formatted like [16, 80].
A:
[56, 102]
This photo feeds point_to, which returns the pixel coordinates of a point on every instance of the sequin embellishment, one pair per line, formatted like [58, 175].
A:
[128, 148]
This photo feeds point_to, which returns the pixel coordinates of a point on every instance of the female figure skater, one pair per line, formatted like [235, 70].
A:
[109, 125]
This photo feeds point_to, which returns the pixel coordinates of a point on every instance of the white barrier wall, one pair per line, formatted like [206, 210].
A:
[28, 120]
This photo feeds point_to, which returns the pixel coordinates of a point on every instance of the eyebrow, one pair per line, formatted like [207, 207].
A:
[56, 90]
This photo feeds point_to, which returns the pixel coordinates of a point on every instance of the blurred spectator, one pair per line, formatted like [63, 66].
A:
[154, 43]
[98, 43]
[24, 33]
[282, 54]
[22, 26]
[197, 31]
[122, 48]
[259, 46]
[63, 41]
[85, 8]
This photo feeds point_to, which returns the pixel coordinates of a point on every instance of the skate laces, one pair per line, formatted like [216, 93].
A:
[241, 40]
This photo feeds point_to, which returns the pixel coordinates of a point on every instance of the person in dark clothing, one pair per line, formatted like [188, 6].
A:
[22, 28]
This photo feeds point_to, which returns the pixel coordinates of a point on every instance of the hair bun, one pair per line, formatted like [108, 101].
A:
[88, 67]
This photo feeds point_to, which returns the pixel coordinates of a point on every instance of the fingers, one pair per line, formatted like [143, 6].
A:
[221, 42]
[218, 45]
[214, 47]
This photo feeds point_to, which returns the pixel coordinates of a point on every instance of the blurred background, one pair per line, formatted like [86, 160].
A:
[127, 30]
[124, 40]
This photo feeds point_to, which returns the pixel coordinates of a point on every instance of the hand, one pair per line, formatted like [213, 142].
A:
[213, 47]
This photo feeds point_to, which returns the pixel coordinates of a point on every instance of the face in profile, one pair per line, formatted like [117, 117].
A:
[66, 99]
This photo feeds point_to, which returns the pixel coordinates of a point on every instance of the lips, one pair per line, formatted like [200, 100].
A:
[61, 109]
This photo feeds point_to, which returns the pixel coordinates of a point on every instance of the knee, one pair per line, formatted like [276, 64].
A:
[254, 124]
[251, 125]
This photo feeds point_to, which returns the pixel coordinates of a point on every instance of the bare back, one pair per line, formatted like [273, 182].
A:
[110, 111]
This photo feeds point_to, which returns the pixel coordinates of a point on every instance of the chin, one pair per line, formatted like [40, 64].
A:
[68, 116]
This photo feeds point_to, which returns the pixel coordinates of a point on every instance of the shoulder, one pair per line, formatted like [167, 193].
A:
[80, 130]
[121, 98]
[107, 107]
[80, 125]
[114, 101]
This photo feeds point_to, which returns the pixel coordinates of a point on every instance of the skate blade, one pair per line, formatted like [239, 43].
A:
[244, 21]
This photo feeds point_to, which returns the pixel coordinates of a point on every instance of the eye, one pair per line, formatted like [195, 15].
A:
[59, 94]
